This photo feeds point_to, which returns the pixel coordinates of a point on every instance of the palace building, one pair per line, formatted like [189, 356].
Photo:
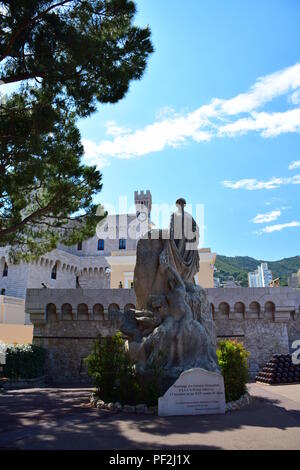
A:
[106, 260]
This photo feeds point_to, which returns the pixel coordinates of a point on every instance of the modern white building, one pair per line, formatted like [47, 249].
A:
[294, 280]
[253, 279]
[262, 277]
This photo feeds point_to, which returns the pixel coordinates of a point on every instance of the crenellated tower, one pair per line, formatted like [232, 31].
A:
[143, 202]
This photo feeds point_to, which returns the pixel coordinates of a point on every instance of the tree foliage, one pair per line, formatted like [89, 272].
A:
[66, 57]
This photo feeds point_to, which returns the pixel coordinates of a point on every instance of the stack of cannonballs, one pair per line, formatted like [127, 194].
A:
[279, 370]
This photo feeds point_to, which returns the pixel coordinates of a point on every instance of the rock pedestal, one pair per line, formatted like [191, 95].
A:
[195, 392]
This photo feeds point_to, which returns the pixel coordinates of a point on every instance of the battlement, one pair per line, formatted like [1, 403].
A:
[143, 199]
[143, 194]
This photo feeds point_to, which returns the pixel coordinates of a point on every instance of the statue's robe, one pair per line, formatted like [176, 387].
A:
[182, 248]
[161, 252]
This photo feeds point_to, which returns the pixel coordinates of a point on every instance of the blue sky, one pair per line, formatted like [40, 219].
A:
[215, 119]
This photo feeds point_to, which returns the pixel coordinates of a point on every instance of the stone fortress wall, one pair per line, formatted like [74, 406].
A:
[67, 321]
[266, 320]
[89, 269]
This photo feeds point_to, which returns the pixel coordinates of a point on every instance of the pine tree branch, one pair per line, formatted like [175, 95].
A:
[30, 23]
[31, 217]
[20, 77]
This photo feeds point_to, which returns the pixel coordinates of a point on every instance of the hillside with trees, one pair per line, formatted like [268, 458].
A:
[239, 266]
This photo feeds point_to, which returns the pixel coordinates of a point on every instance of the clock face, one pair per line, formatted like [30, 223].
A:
[142, 217]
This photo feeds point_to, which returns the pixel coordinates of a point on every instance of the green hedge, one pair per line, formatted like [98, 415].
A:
[233, 362]
[24, 361]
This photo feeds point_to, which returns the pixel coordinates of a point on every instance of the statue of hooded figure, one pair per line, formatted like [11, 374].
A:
[181, 251]
[167, 258]
[172, 325]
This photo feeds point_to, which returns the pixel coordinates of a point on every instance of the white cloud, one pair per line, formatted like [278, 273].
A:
[164, 113]
[268, 217]
[279, 227]
[154, 138]
[264, 90]
[268, 124]
[91, 155]
[252, 184]
[294, 98]
[294, 165]
[220, 118]
[114, 130]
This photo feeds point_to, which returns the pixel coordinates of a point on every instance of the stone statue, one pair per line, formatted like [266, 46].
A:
[172, 326]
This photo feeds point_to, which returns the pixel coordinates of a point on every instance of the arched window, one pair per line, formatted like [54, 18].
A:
[129, 307]
[254, 309]
[54, 272]
[51, 312]
[224, 308]
[239, 308]
[100, 245]
[79, 246]
[113, 308]
[98, 311]
[82, 312]
[5, 270]
[66, 311]
[122, 244]
[269, 310]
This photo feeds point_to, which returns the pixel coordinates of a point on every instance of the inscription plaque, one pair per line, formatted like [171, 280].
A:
[195, 392]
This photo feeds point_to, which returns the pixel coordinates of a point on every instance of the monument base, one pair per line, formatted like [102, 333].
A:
[195, 392]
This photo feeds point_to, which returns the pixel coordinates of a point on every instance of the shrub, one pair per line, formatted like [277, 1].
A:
[115, 377]
[233, 362]
[24, 361]
[111, 368]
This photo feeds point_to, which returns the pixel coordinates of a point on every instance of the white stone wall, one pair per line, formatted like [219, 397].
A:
[94, 279]
[38, 274]
[15, 283]
[90, 270]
